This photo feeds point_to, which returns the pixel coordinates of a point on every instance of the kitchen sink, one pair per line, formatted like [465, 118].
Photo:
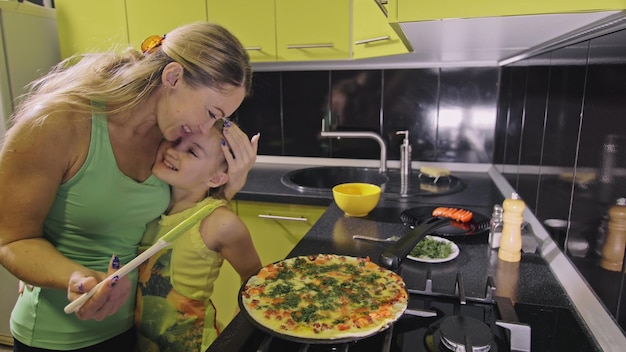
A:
[324, 178]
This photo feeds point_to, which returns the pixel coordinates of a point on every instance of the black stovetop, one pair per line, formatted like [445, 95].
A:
[433, 315]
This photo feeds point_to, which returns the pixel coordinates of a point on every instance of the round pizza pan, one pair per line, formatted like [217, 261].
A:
[298, 339]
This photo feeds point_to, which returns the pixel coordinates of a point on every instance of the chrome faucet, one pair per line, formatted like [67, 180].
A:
[370, 135]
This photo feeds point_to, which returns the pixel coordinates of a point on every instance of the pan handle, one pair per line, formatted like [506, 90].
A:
[393, 255]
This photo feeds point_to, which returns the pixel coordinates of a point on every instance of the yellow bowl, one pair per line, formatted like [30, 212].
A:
[356, 199]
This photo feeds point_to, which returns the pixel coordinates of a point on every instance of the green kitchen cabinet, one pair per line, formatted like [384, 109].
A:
[426, 10]
[150, 17]
[91, 26]
[271, 30]
[313, 30]
[372, 35]
[275, 229]
[252, 21]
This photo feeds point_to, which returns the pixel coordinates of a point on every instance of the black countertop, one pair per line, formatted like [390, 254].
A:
[529, 282]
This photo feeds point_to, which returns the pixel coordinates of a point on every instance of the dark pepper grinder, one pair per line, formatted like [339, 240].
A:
[613, 249]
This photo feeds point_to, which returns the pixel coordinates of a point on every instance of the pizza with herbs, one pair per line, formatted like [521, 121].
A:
[324, 297]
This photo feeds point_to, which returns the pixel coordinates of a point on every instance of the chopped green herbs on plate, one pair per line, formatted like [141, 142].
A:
[431, 248]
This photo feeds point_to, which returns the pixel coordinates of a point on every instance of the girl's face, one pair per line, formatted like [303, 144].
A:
[183, 110]
[195, 162]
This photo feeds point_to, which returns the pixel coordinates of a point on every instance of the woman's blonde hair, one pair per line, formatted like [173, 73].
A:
[220, 191]
[117, 82]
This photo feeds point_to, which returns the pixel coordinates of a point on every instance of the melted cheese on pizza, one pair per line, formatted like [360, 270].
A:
[325, 297]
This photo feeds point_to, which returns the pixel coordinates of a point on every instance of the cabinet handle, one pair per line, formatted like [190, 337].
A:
[310, 46]
[253, 48]
[276, 217]
[372, 40]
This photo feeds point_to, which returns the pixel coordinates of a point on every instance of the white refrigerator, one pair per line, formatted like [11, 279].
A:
[29, 47]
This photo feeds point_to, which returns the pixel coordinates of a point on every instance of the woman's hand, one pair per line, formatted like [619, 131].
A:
[107, 300]
[242, 159]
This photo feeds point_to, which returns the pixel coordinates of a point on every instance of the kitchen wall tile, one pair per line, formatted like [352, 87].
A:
[536, 100]
[355, 105]
[305, 101]
[515, 114]
[567, 84]
[561, 133]
[288, 108]
[504, 100]
[261, 112]
[466, 114]
[410, 102]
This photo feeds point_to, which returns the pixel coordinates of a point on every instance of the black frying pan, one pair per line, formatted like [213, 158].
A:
[423, 224]
[415, 216]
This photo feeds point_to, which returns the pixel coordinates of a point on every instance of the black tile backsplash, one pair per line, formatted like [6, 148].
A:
[449, 112]
[411, 100]
[261, 113]
[305, 100]
[355, 105]
[466, 115]
[561, 111]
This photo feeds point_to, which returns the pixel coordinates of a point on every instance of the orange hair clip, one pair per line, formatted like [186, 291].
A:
[152, 43]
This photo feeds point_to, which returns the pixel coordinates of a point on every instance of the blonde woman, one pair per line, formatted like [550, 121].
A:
[76, 179]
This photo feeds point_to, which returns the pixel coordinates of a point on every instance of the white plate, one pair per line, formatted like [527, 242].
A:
[454, 254]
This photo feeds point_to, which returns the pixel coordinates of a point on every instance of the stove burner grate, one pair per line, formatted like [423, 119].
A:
[460, 333]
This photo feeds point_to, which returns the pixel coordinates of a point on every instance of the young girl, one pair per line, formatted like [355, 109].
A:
[174, 309]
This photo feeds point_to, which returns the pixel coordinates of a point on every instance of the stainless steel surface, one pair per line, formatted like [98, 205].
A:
[600, 323]
[420, 313]
[277, 217]
[324, 178]
[405, 155]
[318, 179]
[310, 46]
[372, 40]
[520, 335]
[369, 135]
[376, 239]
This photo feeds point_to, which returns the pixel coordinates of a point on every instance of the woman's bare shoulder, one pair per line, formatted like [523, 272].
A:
[60, 124]
[62, 138]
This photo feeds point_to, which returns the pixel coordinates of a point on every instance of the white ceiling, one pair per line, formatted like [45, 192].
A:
[467, 42]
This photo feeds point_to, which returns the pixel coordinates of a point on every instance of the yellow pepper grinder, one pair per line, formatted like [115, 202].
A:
[613, 249]
[511, 241]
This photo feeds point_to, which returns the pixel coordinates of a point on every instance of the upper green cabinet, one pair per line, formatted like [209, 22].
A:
[304, 30]
[313, 30]
[372, 35]
[91, 25]
[253, 22]
[150, 17]
[270, 30]
[426, 10]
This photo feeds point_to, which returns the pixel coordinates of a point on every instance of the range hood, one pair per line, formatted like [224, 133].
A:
[482, 42]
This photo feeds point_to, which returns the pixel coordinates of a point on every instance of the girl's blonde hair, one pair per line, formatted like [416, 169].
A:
[117, 82]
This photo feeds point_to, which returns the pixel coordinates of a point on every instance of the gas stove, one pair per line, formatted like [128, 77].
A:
[433, 322]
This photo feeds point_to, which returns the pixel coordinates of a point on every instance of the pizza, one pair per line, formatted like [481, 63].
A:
[324, 296]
